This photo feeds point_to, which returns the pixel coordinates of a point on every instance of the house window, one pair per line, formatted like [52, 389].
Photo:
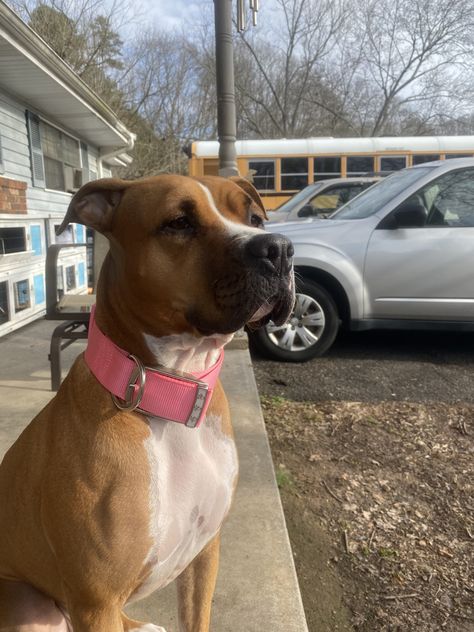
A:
[4, 311]
[294, 173]
[327, 167]
[66, 237]
[263, 174]
[55, 156]
[12, 239]
[22, 295]
[70, 278]
[62, 159]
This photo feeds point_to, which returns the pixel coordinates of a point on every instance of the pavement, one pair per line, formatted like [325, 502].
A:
[257, 588]
[378, 366]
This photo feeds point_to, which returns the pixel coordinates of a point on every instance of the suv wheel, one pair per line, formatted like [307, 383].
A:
[309, 332]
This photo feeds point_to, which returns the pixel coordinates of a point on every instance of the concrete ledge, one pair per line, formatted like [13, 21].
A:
[257, 589]
[239, 341]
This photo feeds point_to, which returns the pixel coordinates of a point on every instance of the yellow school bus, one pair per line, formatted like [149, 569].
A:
[280, 167]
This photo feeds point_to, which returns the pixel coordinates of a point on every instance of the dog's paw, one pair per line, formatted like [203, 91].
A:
[149, 627]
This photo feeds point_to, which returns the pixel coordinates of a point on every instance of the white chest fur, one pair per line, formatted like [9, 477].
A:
[193, 473]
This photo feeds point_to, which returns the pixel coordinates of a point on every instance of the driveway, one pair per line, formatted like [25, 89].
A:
[378, 367]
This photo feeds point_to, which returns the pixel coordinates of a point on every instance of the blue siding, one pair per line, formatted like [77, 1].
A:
[35, 232]
[81, 270]
[38, 284]
[81, 234]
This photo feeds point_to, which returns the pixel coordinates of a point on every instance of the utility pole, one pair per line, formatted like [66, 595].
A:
[226, 117]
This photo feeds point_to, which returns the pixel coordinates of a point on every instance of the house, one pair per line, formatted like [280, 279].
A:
[55, 135]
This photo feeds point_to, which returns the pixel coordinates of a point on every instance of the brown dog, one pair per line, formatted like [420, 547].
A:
[104, 500]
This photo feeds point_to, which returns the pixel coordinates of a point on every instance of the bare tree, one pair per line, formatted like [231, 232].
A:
[410, 57]
[278, 65]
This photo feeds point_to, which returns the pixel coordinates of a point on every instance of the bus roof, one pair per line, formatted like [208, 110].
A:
[329, 145]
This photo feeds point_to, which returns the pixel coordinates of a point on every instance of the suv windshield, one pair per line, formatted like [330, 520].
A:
[373, 198]
[302, 195]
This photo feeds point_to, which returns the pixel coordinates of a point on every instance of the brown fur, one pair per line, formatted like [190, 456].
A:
[74, 519]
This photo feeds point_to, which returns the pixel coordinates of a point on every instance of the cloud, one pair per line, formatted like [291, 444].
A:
[170, 13]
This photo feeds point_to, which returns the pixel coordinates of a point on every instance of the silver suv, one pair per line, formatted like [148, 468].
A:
[320, 199]
[399, 255]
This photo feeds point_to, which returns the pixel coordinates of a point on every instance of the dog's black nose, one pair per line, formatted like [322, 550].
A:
[272, 249]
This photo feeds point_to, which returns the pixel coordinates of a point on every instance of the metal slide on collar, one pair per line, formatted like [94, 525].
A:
[135, 387]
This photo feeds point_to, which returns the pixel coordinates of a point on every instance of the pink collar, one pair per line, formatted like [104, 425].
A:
[166, 394]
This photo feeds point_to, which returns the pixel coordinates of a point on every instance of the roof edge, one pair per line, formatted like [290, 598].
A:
[21, 33]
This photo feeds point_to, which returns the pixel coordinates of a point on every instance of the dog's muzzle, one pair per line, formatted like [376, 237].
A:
[272, 252]
[271, 257]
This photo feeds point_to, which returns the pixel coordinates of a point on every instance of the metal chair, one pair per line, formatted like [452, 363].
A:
[72, 309]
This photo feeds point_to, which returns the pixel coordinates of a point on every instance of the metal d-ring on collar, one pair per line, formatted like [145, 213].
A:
[133, 395]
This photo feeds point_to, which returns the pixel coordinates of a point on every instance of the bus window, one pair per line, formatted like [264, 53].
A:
[392, 163]
[418, 159]
[359, 165]
[327, 167]
[448, 156]
[294, 173]
[264, 174]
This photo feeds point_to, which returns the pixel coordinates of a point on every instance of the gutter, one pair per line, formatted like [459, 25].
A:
[117, 153]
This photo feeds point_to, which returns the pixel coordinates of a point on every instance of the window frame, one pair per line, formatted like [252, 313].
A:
[73, 175]
[291, 174]
[383, 157]
[260, 160]
[320, 176]
[358, 174]
[25, 230]
[430, 158]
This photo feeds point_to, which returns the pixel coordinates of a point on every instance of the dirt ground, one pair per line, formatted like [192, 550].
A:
[379, 504]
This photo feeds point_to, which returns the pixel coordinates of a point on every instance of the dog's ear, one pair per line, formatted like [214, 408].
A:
[248, 187]
[95, 203]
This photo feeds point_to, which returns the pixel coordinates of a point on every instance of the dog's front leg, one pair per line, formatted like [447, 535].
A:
[95, 619]
[196, 587]
[130, 625]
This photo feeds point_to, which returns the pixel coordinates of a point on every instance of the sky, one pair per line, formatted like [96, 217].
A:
[169, 13]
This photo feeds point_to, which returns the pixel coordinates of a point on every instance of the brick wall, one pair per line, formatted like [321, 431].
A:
[12, 196]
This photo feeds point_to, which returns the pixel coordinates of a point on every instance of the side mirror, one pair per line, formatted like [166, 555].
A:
[411, 214]
[306, 211]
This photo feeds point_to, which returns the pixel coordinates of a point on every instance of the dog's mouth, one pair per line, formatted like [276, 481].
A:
[262, 315]
[277, 309]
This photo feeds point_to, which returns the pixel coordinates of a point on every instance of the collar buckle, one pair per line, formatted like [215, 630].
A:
[135, 389]
[202, 393]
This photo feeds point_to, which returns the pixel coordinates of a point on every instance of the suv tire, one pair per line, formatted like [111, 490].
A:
[310, 331]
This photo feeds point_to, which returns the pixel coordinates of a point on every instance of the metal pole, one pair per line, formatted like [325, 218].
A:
[226, 117]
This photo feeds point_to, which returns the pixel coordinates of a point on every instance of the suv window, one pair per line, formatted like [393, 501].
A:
[449, 200]
[332, 198]
[374, 198]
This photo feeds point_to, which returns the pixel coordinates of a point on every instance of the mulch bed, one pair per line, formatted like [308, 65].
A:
[390, 486]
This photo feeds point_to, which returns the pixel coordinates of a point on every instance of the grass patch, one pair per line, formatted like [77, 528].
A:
[283, 477]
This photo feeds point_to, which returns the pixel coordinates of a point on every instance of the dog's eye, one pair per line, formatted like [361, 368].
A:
[179, 225]
[256, 221]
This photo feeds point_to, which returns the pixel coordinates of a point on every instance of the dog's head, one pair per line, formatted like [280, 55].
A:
[188, 254]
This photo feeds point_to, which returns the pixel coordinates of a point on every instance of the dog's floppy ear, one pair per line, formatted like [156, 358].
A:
[94, 204]
[248, 187]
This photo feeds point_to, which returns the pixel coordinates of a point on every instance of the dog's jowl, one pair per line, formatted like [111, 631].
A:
[122, 482]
